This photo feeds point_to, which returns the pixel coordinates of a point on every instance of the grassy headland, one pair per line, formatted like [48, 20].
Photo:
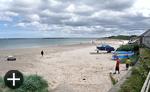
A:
[122, 37]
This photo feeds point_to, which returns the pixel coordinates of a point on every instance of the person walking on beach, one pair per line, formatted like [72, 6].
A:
[128, 61]
[42, 52]
[117, 66]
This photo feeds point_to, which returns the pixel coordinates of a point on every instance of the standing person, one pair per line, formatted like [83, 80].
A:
[42, 52]
[117, 66]
[128, 61]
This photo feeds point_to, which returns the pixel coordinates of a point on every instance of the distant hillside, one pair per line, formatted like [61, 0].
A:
[122, 37]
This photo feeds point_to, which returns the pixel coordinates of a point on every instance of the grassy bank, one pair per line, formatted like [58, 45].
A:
[32, 83]
[139, 73]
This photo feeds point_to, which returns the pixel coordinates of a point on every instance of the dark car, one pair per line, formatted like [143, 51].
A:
[106, 48]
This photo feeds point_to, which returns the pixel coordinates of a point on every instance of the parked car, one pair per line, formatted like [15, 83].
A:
[107, 48]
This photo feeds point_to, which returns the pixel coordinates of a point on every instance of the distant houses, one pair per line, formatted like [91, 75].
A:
[145, 39]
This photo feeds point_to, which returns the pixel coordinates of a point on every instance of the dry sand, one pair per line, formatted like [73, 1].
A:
[70, 68]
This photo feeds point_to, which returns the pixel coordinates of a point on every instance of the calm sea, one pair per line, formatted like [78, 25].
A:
[39, 42]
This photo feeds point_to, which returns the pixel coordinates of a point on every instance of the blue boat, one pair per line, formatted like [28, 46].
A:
[122, 54]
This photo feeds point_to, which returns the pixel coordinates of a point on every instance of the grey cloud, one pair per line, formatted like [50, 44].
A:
[84, 16]
[104, 4]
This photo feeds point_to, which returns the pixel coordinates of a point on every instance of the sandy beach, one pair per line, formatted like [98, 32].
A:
[67, 68]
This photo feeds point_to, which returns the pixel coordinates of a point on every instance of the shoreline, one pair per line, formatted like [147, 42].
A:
[38, 43]
[95, 40]
[38, 47]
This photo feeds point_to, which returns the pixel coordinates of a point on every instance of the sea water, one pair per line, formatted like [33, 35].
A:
[13, 43]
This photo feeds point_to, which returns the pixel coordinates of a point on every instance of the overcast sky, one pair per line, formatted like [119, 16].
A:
[73, 18]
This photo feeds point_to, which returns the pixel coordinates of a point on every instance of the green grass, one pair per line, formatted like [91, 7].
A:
[139, 73]
[32, 83]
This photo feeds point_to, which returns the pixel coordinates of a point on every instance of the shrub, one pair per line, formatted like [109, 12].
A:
[112, 79]
[32, 83]
[139, 73]
[135, 82]
[133, 59]
[129, 47]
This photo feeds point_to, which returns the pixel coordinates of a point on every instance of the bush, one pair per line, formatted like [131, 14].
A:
[32, 83]
[112, 79]
[129, 47]
[133, 59]
[135, 82]
[139, 73]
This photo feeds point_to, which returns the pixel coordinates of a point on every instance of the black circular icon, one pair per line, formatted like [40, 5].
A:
[13, 79]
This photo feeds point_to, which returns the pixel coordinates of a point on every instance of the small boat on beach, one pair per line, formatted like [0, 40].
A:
[11, 58]
[122, 54]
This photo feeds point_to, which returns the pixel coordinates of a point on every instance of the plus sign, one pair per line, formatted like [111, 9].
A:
[13, 79]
